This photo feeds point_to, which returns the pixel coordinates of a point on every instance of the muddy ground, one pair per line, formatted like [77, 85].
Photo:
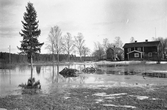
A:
[115, 98]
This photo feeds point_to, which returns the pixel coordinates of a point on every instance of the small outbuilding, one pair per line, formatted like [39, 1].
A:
[114, 53]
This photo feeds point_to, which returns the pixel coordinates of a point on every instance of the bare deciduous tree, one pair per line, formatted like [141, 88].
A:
[162, 47]
[55, 41]
[106, 44]
[132, 39]
[99, 51]
[68, 44]
[79, 43]
[118, 42]
[85, 50]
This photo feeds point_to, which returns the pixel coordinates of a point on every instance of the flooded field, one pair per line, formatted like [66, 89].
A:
[113, 87]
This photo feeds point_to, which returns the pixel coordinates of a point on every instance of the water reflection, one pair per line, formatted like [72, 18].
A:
[51, 80]
[53, 73]
[38, 69]
[57, 77]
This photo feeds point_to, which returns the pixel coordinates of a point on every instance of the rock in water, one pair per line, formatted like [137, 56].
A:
[69, 72]
[91, 70]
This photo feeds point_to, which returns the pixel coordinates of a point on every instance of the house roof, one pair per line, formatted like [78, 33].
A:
[141, 44]
[134, 51]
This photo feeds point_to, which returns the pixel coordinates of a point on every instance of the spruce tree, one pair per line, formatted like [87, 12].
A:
[30, 32]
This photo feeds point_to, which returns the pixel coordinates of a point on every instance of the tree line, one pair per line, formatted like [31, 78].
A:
[6, 58]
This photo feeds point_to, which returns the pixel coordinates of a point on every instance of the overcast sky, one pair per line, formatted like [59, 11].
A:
[95, 19]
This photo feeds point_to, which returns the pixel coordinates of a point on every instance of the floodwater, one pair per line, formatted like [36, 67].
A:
[53, 82]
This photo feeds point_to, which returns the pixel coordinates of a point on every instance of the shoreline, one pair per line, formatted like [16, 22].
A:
[97, 63]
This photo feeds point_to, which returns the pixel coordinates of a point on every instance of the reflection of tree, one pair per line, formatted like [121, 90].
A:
[38, 69]
[53, 71]
[23, 68]
[57, 80]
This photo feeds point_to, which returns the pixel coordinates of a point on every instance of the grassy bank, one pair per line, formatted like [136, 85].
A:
[117, 98]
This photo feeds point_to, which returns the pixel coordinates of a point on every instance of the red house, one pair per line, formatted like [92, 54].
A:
[141, 50]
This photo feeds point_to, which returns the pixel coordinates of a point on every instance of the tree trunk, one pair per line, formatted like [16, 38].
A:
[58, 58]
[68, 56]
[31, 67]
[80, 57]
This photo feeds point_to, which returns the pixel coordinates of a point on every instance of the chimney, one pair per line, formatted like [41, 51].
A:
[146, 40]
[135, 41]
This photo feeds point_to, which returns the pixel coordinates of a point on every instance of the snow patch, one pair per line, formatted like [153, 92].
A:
[100, 94]
[103, 94]
[111, 97]
[140, 97]
[112, 105]
[155, 99]
[98, 100]
[66, 97]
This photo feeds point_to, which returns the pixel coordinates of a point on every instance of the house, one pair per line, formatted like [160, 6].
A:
[114, 53]
[141, 50]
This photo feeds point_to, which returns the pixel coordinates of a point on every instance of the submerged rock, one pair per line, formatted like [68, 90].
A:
[155, 74]
[69, 72]
[91, 70]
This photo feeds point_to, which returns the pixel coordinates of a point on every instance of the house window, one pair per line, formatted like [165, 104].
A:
[149, 54]
[129, 49]
[136, 55]
[139, 49]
